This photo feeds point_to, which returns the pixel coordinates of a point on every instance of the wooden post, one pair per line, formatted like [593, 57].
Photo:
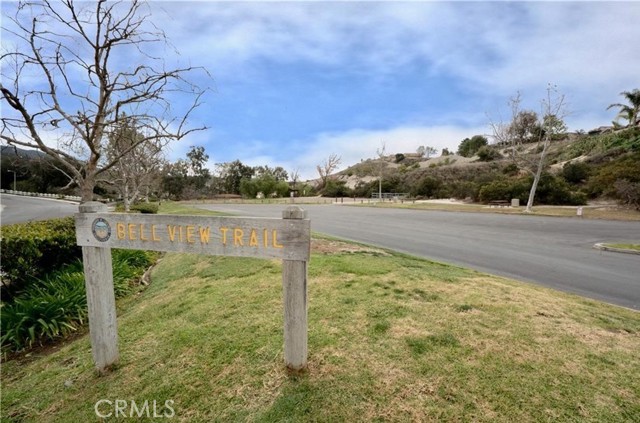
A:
[101, 301]
[294, 286]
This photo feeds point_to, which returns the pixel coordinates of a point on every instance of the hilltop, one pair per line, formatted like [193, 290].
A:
[603, 164]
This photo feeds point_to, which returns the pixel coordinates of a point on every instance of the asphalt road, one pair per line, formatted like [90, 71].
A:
[555, 252]
[16, 208]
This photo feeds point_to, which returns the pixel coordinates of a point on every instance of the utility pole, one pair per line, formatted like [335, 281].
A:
[14, 178]
[381, 154]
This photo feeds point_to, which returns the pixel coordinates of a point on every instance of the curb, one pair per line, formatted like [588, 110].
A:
[603, 247]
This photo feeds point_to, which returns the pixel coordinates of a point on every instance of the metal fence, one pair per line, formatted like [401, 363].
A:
[391, 195]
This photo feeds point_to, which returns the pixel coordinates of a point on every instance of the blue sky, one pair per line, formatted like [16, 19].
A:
[293, 82]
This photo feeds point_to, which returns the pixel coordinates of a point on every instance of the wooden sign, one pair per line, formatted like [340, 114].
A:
[223, 236]
[288, 239]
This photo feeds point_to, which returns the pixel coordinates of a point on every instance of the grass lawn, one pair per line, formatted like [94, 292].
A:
[391, 338]
[635, 247]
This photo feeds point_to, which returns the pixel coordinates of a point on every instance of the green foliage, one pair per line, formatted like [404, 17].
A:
[399, 157]
[30, 250]
[575, 173]
[33, 174]
[604, 177]
[267, 184]
[497, 190]
[551, 190]
[335, 188]
[469, 146]
[488, 154]
[146, 208]
[55, 305]
[555, 190]
[511, 169]
[618, 142]
[428, 187]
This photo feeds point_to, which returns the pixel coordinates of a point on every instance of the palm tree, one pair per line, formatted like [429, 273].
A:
[630, 113]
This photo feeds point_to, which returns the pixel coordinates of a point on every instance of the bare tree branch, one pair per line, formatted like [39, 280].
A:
[57, 41]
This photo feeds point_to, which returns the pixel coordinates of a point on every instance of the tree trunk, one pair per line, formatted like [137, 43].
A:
[125, 198]
[87, 185]
[536, 177]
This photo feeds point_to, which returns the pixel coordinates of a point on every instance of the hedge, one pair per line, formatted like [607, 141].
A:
[31, 250]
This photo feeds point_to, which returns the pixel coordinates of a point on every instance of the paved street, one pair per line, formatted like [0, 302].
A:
[16, 208]
[555, 252]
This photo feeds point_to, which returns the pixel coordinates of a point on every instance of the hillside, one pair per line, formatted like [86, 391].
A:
[580, 168]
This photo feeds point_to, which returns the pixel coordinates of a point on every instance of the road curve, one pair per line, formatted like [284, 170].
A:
[16, 208]
[551, 251]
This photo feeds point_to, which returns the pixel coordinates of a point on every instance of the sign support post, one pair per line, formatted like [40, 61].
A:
[289, 239]
[294, 287]
[101, 300]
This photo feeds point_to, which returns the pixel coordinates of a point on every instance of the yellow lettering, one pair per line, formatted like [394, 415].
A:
[142, 238]
[154, 236]
[181, 234]
[132, 231]
[237, 236]
[253, 240]
[265, 238]
[172, 232]
[224, 235]
[191, 230]
[275, 239]
[120, 230]
[204, 234]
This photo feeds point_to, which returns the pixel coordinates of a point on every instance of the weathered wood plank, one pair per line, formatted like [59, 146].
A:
[287, 239]
[294, 288]
[101, 301]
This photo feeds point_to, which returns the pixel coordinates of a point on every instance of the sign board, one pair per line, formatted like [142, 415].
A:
[224, 236]
[289, 239]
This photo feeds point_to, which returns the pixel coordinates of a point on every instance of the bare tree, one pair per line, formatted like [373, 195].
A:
[72, 75]
[327, 167]
[134, 173]
[524, 128]
[295, 177]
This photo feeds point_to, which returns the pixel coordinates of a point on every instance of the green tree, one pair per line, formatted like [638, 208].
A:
[469, 146]
[231, 174]
[629, 112]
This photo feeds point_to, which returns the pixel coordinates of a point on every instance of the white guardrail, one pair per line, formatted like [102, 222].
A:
[38, 194]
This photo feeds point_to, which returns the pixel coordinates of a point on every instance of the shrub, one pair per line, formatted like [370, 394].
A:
[497, 190]
[427, 187]
[56, 305]
[604, 177]
[335, 188]
[575, 173]
[146, 208]
[628, 193]
[399, 157]
[555, 191]
[30, 250]
[488, 154]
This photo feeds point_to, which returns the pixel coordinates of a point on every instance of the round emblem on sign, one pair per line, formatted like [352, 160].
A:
[101, 229]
